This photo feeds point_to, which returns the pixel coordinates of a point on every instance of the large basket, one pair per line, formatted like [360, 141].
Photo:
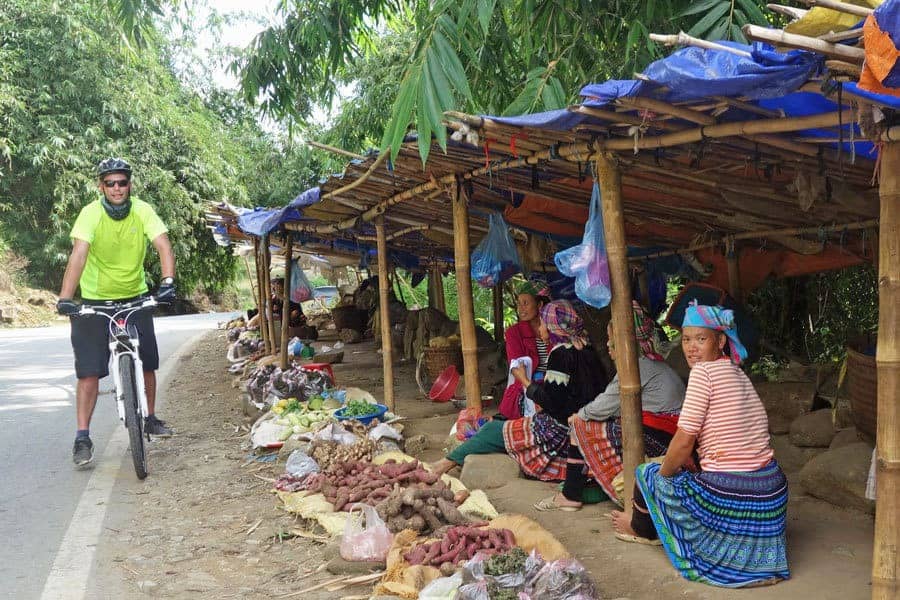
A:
[438, 359]
[862, 385]
[349, 317]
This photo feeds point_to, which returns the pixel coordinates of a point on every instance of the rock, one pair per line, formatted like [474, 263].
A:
[839, 476]
[790, 457]
[36, 301]
[416, 445]
[844, 437]
[788, 399]
[450, 444]
[339, 566]
[779, 424]
[488, 471]
[350, 336]
[814, 430]
[148, 587]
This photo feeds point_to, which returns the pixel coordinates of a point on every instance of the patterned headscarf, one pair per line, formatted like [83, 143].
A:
[564, 324]
[719, 319]
[645, 331]
[536, 288]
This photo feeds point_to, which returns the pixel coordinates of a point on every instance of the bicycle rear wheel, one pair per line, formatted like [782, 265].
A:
[134, 420]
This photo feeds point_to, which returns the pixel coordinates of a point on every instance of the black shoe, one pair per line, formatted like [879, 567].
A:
[154, 426]
[83, 451]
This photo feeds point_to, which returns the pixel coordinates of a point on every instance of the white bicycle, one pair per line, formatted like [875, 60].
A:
[128, 372]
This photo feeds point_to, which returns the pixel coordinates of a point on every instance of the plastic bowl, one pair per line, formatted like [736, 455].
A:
[445, 385]
[365, 419]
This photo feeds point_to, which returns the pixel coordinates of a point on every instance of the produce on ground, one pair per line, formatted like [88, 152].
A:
[460, 544]
[331, 455]
[290, 383]
[359, 408]
[507, 562]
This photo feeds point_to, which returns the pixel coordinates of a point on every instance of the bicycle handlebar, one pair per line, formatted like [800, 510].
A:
[117, 307]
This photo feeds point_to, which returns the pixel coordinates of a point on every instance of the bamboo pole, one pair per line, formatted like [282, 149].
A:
[498, 313]
[788, 11]
[683, 39]
[334, 150]
[439, 297]
[792, 40]
[885, 563]
[267, 276]
[850, 9]
[644, 287]
[262, 298]
[252, 283]
[623, 321]
[387, 351]
[286, 298]
[461, 250]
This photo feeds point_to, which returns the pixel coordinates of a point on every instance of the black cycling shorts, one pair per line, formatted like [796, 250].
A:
[90, 342]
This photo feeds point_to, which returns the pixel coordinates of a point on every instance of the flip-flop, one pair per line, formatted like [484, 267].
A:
[634, 539]
[548, 504]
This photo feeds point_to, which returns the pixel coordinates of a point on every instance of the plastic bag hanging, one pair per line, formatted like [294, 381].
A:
[495, 259]
[301, 289]
[365, 543]
[587, 262]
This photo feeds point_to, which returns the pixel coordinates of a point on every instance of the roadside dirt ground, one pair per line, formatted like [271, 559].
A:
[204, 524]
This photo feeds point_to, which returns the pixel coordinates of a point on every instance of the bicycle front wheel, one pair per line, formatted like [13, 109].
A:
[134, 420]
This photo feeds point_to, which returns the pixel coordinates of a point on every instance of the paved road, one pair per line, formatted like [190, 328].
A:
[39, 489]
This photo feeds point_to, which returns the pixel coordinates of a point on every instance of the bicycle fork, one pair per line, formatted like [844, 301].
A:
[116, 355]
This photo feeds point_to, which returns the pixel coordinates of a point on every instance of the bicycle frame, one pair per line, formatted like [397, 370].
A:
[124, 339]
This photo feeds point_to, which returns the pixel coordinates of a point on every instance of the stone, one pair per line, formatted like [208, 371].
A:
[788, 399]
[488, 471]
[844, 437]
[339, 566]
[839, 476]
[813, 430]
[779, 424]
[148, 587]
[450, 444]
[415, 445]
[790, 457]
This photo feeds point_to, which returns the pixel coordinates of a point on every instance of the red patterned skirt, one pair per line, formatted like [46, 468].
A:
[540, 444]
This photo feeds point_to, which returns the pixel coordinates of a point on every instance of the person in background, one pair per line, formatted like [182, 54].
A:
[596, 430]
[523, 339]
[574, 377]
[723, 525]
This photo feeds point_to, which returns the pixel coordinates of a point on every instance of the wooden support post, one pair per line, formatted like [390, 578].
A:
[286, 298]
[461, 252]
[622, 320]
[732, 254]
[498, 313]
[387, 351]
[644, 286]
[267, 276]
[261, 298]
[440, 301]
[885, 564]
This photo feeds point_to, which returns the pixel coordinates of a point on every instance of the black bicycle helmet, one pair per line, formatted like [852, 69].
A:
[113, 165]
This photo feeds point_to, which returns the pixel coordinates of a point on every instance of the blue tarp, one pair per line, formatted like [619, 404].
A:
[263, 221]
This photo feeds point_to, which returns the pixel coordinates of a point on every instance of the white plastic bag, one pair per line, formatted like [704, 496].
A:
[528, 407]
[300, 464]
[365, 543]
[443, 588]
[301, 289]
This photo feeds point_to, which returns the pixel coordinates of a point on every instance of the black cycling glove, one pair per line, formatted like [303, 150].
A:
[166, 292]
[67, 307]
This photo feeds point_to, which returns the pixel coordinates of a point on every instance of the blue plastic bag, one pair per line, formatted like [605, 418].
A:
[495, 259]
[587, 262]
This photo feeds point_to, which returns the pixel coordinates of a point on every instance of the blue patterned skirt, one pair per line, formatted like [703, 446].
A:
[725, 529]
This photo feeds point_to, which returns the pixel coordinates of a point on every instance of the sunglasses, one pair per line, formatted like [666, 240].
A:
[111, 183]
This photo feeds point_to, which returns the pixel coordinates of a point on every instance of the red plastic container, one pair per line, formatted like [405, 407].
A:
[445, 385]
[324, 367]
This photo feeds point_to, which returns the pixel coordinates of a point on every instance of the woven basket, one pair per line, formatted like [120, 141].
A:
[862, 387]
[349, 317]
[438, 359]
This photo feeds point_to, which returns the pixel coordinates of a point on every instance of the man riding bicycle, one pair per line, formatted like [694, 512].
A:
[109, 242]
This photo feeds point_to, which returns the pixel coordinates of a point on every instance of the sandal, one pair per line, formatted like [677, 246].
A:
[627, 537]
[549, 503]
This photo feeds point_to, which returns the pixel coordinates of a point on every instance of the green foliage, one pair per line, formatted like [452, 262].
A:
[493, 56]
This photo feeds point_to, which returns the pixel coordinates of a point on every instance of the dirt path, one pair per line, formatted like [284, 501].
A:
[204, 525]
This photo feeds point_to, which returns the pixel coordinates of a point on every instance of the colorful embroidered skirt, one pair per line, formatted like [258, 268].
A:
[540, 444]
[725, 529]
[600, 443]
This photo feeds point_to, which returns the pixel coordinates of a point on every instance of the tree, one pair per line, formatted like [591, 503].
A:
[492, 56]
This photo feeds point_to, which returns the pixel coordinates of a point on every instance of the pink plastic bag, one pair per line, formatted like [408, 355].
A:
[468, 423]
[365, 543]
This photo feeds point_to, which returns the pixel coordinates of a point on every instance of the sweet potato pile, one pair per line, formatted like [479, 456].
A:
[460, 544]
[331, 456]
[421, 509]
[347, 483]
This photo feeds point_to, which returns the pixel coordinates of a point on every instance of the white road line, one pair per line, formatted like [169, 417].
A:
[68, 577]
[69, 574]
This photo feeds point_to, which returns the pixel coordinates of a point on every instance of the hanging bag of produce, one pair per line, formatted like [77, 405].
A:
[495, 259]
[587, 262]
[365, 543]
[301, 289]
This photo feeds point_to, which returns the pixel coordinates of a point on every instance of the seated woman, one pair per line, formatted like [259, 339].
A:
[522, 339]
[596, 431]
[574, 377]
[725, 524]
[298, 319]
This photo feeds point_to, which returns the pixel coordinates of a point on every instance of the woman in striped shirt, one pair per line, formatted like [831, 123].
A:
[724, 525]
